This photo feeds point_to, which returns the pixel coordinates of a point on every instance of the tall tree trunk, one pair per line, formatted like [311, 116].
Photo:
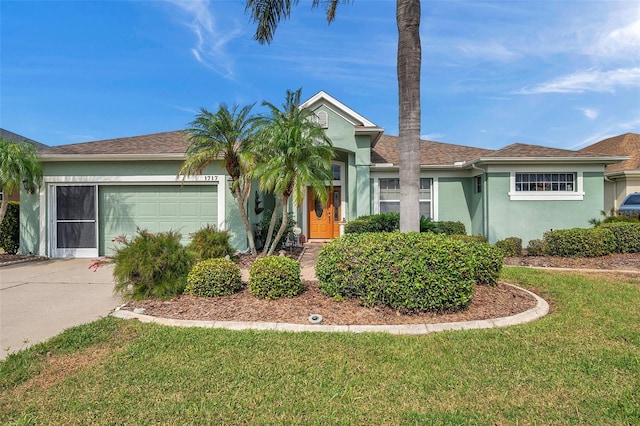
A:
[409, 58]
[283, 226]
[4, 206]
[242, 198]
[272, 225]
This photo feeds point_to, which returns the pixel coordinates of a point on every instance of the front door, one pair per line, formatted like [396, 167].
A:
[75, 221]
[324, 220]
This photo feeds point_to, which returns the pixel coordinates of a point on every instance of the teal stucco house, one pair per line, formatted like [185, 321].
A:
[95, 191]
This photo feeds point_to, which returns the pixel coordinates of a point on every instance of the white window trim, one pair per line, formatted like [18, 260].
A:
[577, 195]
[434, 194]
[45, 237]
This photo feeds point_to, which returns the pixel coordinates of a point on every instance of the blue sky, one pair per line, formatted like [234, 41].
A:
[556, 73]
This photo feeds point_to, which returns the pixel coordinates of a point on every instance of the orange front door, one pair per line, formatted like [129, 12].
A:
[324, 220]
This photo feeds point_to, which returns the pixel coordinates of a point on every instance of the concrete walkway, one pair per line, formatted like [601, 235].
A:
[39, 300]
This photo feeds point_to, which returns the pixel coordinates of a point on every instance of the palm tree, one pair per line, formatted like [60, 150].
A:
[227, 135]
[296, 154]
[267, 14]
[19, 164]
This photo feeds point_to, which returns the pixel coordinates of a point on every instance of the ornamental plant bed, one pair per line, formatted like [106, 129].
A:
[488, 302]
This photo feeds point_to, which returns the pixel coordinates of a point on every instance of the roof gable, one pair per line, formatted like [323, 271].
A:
[626, 144]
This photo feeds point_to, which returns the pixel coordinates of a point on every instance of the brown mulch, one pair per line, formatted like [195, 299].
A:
[488, 302]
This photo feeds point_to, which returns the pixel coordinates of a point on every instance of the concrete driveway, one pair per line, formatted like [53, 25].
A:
[38, 300]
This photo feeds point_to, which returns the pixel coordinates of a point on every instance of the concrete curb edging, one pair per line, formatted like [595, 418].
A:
[541, 309]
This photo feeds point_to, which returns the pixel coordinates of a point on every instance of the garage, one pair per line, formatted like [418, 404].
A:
[124, 208]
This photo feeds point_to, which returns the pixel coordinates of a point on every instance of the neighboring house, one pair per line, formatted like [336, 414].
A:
[96, 191]
[623, 178]
[14, 137]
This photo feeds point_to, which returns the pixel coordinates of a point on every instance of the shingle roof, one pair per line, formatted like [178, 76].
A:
[175, 142]
[627, 144]
[431, 153]
[521, 150]
[6, 134]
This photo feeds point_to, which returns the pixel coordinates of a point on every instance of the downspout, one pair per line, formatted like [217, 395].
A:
[615, 192]
[485, 202]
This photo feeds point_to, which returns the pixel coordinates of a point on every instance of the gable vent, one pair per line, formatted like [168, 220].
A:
[323, 119]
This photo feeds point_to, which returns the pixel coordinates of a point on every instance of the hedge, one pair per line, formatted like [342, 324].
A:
[409, 272]
[627, 236]
[580, 242]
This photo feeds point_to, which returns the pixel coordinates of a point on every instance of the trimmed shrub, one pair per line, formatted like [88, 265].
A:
[450, 228]
[469, 238]
[510, 247]
[487, 262]
[409, 272]
[10, 229]
[537, 248]
[210, 243]
[151, 265]
[627, 236]
[580, 242]
[383, 222]
[273, 277]
[213, 278]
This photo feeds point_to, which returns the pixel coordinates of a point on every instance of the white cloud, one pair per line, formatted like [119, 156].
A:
[619, 41]
[212, 41]
[432, 136]
[587, 81]
[590, 113]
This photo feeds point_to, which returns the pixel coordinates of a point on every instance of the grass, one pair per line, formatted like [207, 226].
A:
[579, 365]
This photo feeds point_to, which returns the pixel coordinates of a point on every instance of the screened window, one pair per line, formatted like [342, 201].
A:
[546, 182]
[425, 196]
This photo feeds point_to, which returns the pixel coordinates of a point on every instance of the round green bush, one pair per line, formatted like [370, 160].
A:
[213, 278]
[536, 248]
[273, 277]
[151, 265]
[510, 247]
[408, 272]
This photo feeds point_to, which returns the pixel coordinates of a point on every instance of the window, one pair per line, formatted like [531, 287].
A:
[547, 185]
[549, 182]
[390, 195]
[478, 184]
[336, 171]
[425, 196]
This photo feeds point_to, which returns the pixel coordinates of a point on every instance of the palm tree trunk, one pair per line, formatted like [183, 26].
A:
[241, 197]
[4, 205]
[283, 226]
[272, 225]
[409, 58]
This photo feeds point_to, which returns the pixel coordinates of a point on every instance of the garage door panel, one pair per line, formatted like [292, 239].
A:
[124, 209]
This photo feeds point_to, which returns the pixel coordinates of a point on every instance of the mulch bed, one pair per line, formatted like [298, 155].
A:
[488, 302]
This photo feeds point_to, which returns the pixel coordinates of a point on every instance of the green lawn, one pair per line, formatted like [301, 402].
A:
[579, 365]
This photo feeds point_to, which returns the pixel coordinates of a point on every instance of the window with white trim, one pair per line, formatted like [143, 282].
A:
[547, 182]
[390, 195]
[425, 196]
